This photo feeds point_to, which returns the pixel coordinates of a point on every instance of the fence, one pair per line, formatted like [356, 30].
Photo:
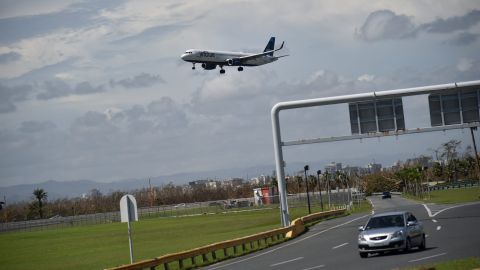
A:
[223, 250]
[184, 209]
[454, 185]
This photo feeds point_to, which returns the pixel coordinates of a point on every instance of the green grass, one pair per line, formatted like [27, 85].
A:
[449, 196]
[461, 264]
[106, 245]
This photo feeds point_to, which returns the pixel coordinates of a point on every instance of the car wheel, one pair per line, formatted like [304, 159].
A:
[423, 245]
[408, 245]
[363, 254]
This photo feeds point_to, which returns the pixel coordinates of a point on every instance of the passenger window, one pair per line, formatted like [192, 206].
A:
[411, 217]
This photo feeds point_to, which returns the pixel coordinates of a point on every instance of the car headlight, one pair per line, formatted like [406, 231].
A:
[397, 234]
[361, 237]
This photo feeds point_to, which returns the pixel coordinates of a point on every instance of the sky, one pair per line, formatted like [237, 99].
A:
[97, 90]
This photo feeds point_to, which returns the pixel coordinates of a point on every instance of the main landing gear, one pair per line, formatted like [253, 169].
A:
[240, 68]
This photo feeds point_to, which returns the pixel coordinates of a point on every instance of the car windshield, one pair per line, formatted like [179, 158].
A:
[385, 222]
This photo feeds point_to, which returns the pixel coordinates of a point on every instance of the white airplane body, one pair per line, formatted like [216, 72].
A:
[210, 59]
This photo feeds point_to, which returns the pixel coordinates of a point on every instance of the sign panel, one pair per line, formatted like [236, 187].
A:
[128, 208]
[452, 109]
[376, 116]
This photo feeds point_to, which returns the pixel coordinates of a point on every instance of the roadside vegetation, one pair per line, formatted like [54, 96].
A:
[420, 177]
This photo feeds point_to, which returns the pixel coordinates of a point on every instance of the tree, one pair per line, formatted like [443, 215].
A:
[450, 154]
[40, 195]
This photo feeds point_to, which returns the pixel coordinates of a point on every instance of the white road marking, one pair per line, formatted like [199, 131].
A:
[455, 206]
[284, 262]
[426, 235]
[287, 244]
[428, 210]
[373, 206]
[439, 228]
[344, 244]
[434, 220]
[315, 267]
[429, 257]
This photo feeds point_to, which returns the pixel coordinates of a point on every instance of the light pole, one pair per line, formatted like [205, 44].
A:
[320, 188]
[328, 190]
[305, 169]
[476, 153]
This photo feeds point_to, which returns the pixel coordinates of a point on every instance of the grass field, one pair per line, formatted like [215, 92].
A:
[461, 264]
[106, 245]
[449, 196]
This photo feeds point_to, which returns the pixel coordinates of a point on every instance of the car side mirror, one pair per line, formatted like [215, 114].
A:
[411, 223]
[360, 229]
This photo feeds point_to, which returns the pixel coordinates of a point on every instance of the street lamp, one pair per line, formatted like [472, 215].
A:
[320, 188]
[328, 189]
[305, 169]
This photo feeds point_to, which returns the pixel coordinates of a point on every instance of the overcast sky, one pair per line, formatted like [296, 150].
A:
[96, 89]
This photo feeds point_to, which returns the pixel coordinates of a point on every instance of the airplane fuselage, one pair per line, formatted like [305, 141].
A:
[221, 57]
[210, 59]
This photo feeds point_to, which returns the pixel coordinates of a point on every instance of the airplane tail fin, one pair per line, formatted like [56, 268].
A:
[270, 46]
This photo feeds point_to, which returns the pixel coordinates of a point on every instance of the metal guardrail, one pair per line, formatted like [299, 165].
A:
[253, 242]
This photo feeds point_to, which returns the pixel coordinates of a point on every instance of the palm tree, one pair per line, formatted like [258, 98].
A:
[40, 195]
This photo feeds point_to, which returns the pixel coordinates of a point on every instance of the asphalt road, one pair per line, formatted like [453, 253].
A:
[453, 232]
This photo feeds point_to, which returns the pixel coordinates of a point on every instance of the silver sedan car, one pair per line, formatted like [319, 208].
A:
[390, 231]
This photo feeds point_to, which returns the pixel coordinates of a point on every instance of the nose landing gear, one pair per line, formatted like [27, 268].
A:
[222, 71]
[193, 67]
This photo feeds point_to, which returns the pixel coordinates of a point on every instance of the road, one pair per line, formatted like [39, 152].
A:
[452, 233]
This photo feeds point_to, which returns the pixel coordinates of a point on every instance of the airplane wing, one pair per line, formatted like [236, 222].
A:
[253, 56]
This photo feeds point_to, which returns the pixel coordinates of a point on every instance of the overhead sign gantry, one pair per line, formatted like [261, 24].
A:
[379, 114]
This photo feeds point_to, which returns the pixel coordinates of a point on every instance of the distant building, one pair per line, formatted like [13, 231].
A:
[354, 170]
[374, 167]
[234, 182]
[204, 183]
[421, 161]
[261, 180]
[333, 167]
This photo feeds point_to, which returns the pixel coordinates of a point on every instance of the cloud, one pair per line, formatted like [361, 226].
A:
[11, 95]
[453, 24]
[59, 88]
[94, 125]
[85, 88]
[36, 126]
[463, 39]
[139, 81]
[385, 24]
[9, 57]
[73, 17]
[55, 89]
[159, 116]
[151, 33]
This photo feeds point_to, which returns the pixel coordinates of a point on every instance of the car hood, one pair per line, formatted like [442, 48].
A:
[381, 231]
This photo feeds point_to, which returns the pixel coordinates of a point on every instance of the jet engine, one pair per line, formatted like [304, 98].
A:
[233, 62]
[208, 66]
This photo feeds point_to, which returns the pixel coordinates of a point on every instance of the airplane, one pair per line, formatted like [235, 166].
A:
[211, 59]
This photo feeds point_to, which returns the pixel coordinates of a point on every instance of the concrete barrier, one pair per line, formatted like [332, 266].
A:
[269, 238]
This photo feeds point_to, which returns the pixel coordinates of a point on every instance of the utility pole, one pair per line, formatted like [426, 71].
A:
[320, 188]
[305, 169]
[476, 153]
